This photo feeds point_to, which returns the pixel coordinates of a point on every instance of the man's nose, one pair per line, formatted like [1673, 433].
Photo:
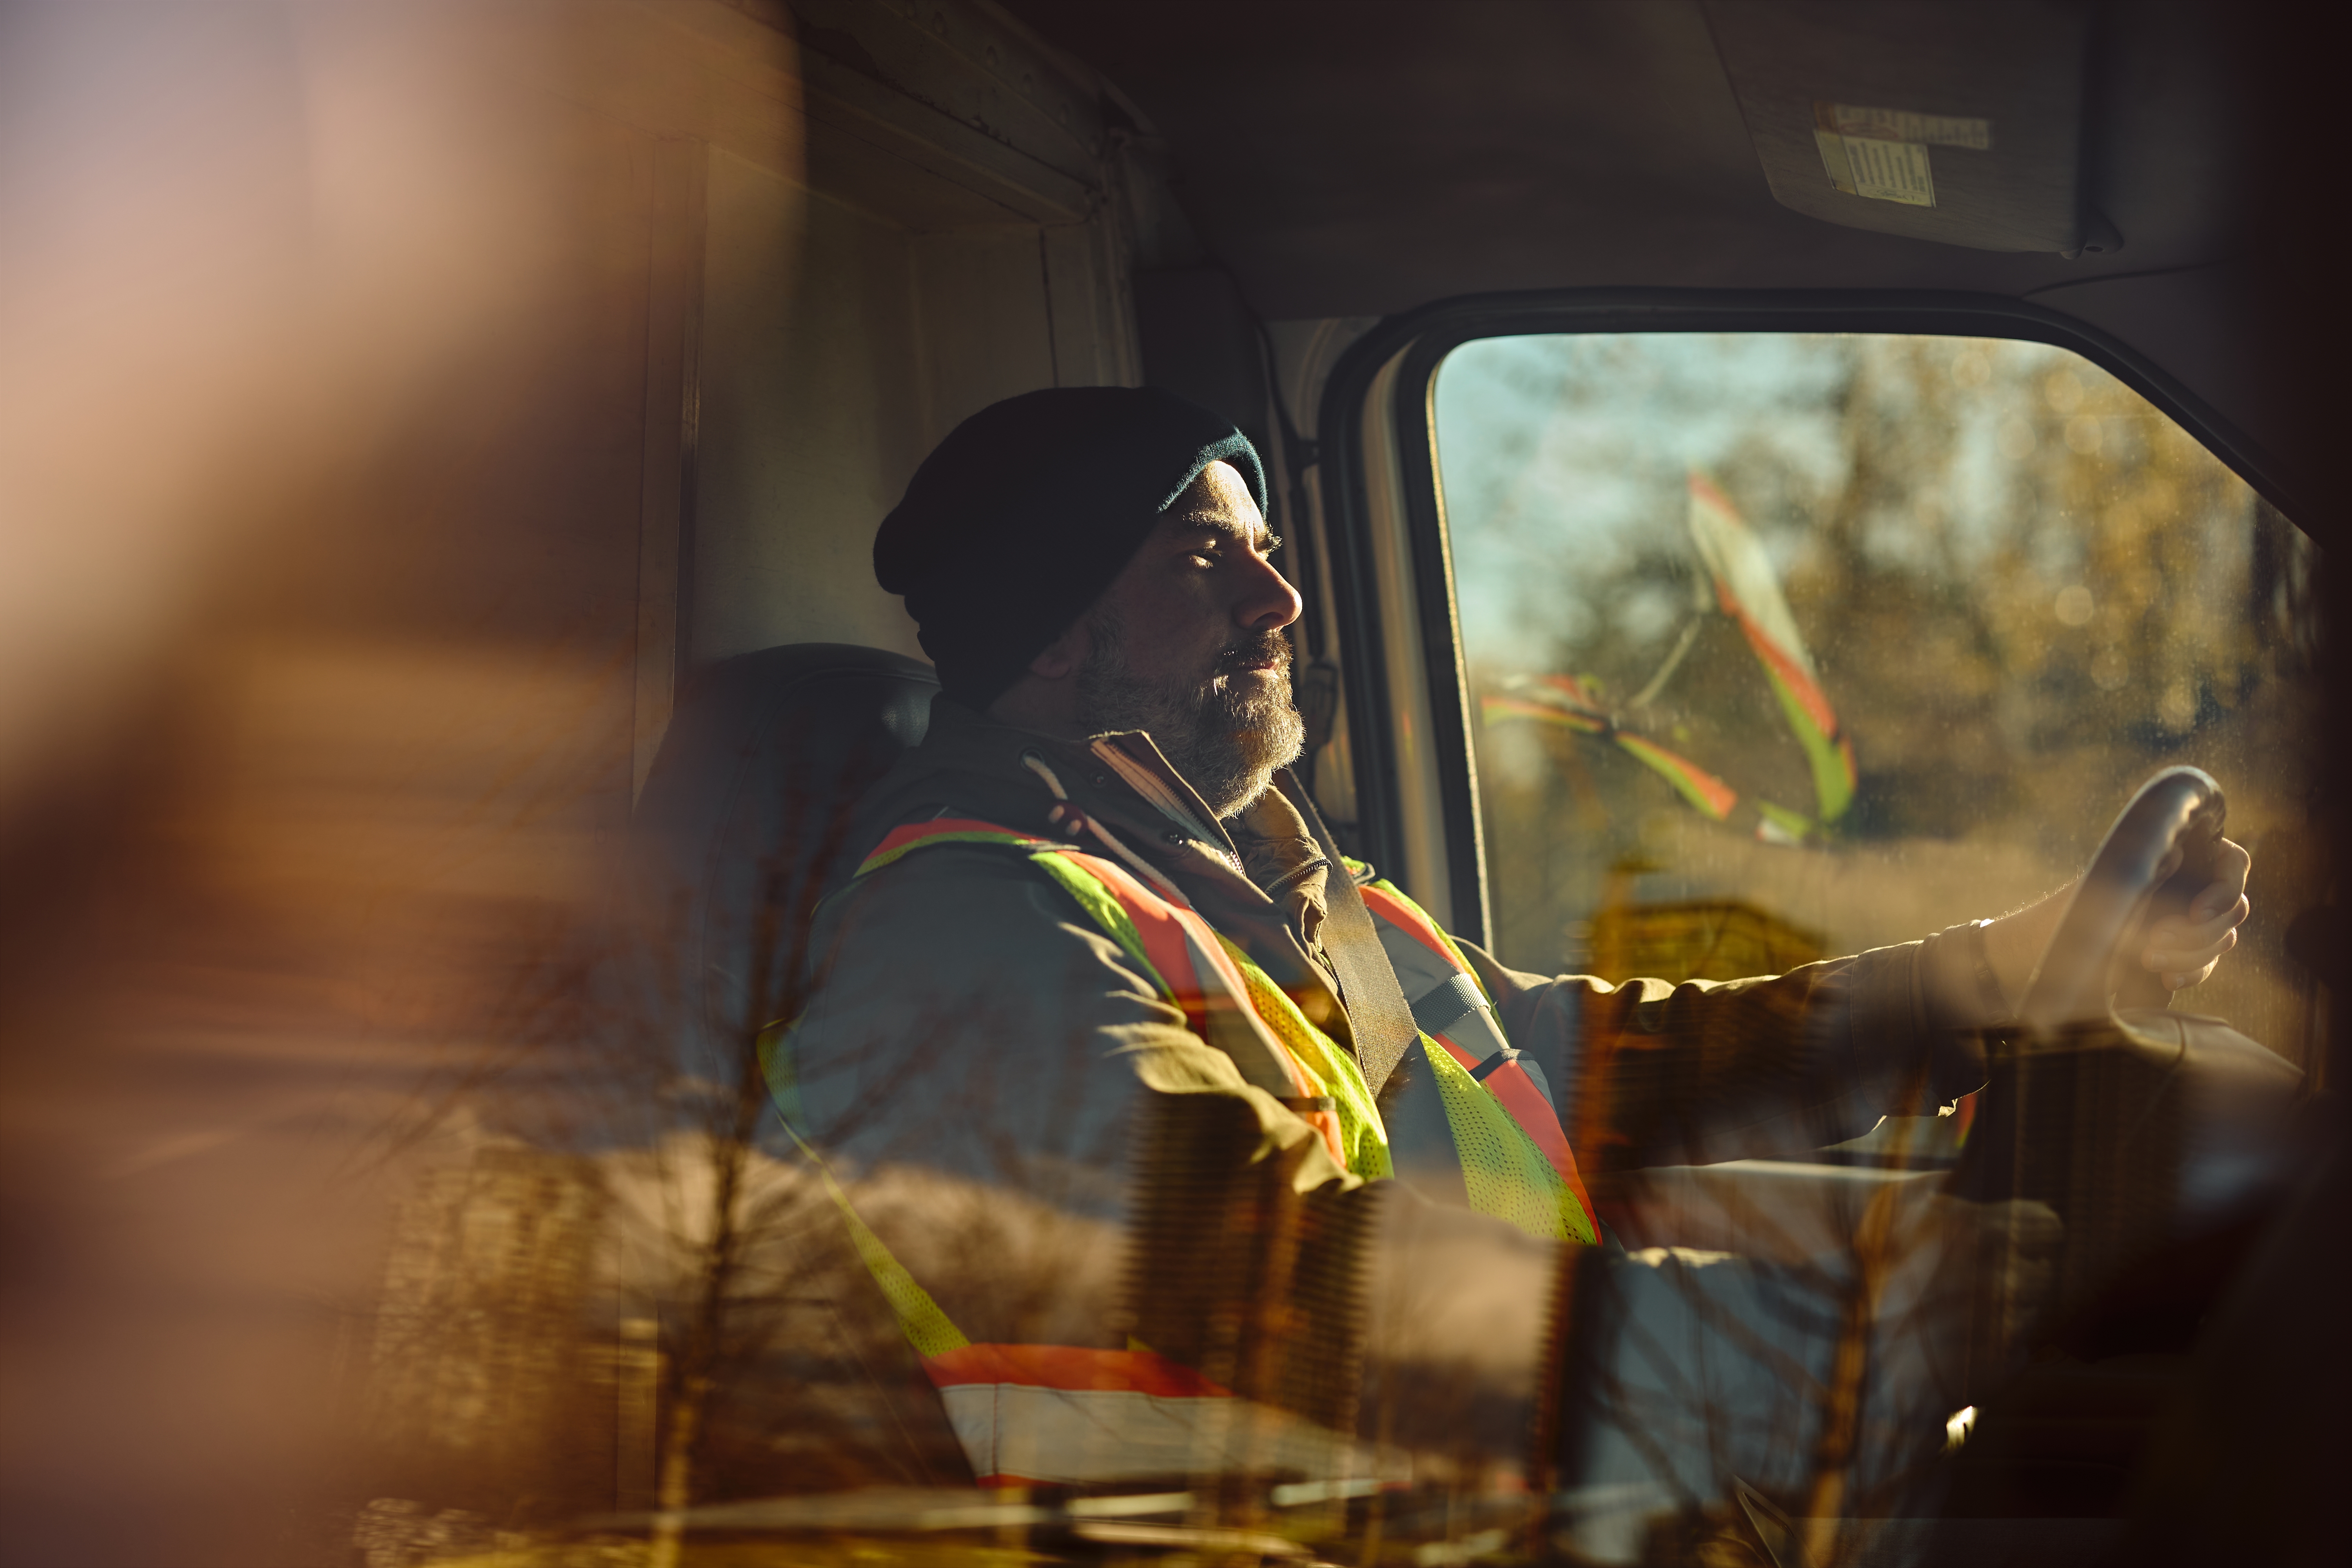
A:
[1266, 601]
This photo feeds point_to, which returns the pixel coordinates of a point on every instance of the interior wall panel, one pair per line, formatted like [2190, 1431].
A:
[987, 334]
[809, 426]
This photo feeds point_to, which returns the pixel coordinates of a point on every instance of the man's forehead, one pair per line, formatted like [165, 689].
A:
[1217, 498]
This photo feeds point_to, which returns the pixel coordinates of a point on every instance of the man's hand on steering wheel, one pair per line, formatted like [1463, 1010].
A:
[2181, 949]
[2177, 946]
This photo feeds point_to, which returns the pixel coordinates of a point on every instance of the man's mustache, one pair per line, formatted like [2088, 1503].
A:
[1259, 648]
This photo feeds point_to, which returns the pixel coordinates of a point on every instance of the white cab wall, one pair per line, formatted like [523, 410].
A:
[811, 418]
[849, 321]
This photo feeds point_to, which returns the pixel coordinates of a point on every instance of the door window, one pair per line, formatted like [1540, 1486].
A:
[1783, 645]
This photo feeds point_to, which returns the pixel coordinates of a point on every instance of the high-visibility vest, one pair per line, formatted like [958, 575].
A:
[1057, 1413]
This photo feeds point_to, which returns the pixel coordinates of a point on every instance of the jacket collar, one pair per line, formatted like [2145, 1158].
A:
[971, 763]
[1280, 853]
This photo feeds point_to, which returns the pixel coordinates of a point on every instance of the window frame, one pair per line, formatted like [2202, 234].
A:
[1406, 351]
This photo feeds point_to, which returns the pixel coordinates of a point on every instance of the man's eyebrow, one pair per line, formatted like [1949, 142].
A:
[1231, 528]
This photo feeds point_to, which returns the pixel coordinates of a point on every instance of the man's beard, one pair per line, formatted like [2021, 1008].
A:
[1226, 735]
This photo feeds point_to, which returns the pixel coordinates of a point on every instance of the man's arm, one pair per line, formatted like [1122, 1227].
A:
[1654, 1073]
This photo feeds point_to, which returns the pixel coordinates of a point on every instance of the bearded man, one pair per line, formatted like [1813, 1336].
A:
[1144, 1106]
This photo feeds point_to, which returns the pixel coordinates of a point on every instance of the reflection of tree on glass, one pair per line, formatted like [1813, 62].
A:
[1747, 590]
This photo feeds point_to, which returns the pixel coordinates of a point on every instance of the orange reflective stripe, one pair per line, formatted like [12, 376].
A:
[956, 829]
[1408, 917]
[1160, 925]
[1071, 1367]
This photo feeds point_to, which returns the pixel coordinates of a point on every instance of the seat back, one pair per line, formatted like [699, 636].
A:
[745, 818]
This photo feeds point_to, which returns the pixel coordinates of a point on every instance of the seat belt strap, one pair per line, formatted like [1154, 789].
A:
[1502, 1058]
[1377, 1015]
[1447, 1004]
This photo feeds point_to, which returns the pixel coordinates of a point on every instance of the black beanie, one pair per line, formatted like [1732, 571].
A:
[1024, 514]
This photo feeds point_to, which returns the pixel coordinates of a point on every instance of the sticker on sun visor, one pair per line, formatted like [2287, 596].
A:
[1882, 153]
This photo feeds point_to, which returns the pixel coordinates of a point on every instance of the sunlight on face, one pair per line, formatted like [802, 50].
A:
[1188, 645]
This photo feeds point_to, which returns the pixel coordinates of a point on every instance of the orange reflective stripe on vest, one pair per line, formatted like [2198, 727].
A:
[947, 830]
[1179, 943]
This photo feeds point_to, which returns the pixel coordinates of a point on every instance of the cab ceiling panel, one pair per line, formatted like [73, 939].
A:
[1363, 159]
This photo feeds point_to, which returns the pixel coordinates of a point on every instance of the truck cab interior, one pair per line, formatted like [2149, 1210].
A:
[1766, 480]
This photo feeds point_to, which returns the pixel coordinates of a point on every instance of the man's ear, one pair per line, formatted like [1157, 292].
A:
[1061, 657]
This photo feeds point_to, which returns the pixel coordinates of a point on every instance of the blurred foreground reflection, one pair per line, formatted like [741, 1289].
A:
[394, 1167]
[328, 365]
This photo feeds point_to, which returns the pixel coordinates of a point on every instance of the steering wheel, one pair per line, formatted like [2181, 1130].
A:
[2164, 846]
[2144, 1127]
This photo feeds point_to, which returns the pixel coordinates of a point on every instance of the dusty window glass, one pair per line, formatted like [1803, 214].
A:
[1787, 646]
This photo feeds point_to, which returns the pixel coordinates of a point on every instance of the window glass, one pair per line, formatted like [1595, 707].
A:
[1785, 645]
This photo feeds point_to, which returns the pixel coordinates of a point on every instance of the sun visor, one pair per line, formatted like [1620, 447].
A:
[1961, 123]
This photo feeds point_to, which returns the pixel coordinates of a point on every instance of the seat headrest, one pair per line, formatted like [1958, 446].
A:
[745, 815]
